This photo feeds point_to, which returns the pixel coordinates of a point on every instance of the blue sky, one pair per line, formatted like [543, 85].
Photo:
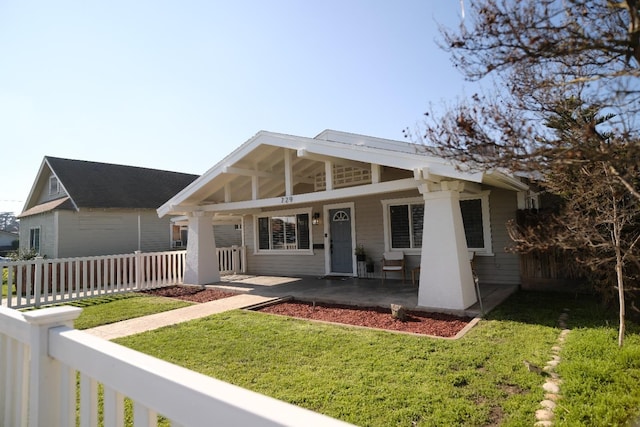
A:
[179, 85]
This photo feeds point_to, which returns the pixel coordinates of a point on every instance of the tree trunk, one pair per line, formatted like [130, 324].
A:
[620, 297]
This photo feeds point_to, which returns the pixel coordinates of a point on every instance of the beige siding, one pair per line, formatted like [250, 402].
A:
[46, 222]
[44, 195]
[503, 267]
[107, 232]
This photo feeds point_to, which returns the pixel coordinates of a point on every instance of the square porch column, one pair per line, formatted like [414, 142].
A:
[202, 260]
[446, 280]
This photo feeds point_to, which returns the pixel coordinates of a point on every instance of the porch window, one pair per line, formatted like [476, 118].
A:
[287, 232]
[404, 222]
[406, 225]
[34, 239]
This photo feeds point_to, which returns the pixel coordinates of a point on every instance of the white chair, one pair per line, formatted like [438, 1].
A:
[393, 262]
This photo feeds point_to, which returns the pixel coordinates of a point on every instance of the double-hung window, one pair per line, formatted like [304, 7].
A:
[34, 239]
[287, 232]
[403, 220]
[54, 185]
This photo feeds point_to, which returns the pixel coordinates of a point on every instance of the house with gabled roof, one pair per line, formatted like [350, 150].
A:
[304, 204]
[85, 208]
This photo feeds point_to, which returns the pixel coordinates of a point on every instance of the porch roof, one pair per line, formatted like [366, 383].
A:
[273, 168]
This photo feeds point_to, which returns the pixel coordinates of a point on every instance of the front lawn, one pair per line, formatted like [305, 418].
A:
[378, 378]
[116, 307]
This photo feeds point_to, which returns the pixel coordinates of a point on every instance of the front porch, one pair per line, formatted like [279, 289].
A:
[354, 291]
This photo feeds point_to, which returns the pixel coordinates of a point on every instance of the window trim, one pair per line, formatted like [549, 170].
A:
[386, 222]
[271, 214]
[486, 222]
[54, 182]
[31, 232]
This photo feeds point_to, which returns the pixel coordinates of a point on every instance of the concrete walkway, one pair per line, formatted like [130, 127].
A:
[172, 317]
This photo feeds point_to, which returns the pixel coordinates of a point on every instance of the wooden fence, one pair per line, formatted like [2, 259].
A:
[55, 376]
[39, 282]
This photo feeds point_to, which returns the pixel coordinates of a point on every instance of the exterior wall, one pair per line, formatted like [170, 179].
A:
[227, 236]
[503, 267]
[289, 264]
[47, 224]
[44, 195]
[109, 232]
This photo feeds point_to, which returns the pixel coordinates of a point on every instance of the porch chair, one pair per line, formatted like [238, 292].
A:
[394, 262]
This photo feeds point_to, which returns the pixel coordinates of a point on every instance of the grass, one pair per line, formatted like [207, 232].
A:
[116, 307]
[5, 277]
[378, 378]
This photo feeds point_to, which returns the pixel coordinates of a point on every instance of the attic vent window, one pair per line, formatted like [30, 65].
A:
[54, 186]
[343, 176]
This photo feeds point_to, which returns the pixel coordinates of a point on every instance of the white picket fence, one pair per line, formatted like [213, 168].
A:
[42, 282]
[53, 375]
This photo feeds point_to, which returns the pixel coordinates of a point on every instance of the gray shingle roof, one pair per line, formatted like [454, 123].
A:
[104, 185]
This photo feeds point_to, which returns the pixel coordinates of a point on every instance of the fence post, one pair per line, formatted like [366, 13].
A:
[235, 259]
[37, 280]
[44, 378]
[138, 267]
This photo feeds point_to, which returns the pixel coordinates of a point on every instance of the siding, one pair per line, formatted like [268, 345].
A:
[503, 267]
[46, 222]
[289, 264]
[44, 195]
[108, 232]
[227, 236]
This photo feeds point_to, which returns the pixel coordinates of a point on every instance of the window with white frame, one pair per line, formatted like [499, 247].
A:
[404, 218]
[34, 239]
[54, 185]
[283, 231]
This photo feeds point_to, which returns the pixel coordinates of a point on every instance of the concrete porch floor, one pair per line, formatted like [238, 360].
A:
[355, 291]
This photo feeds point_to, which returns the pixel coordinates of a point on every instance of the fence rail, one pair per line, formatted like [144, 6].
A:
[40, 282]
[53, 375]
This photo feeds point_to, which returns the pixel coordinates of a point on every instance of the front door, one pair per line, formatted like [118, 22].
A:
[340, 244]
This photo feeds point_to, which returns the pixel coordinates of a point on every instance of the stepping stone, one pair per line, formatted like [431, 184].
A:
[543, 424]
[544, 415]
[548, 404]
[551, 387]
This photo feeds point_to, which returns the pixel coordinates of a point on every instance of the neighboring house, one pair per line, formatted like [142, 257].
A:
[81, 208]
[6, 241]
[304, 204]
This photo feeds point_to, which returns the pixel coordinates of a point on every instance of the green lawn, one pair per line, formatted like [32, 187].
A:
[114, 308]
[380, 379]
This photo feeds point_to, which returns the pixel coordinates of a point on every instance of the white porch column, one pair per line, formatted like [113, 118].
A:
[202, 261]
[445, 271]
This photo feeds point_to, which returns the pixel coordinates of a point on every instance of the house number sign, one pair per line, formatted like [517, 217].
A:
[286, 199]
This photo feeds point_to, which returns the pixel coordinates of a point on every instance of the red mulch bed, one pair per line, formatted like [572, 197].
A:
[442, 325]
[190, 293]
[436, 324]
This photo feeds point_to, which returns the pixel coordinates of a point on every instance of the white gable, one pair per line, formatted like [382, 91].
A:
[272, 165]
